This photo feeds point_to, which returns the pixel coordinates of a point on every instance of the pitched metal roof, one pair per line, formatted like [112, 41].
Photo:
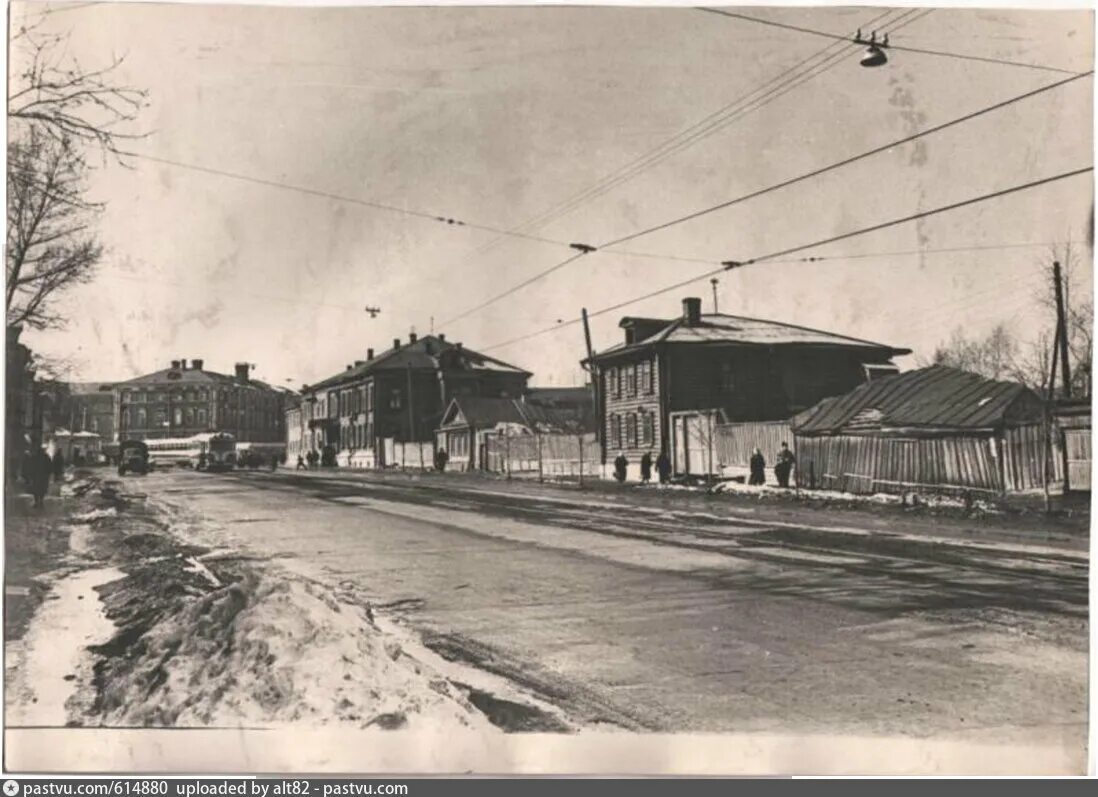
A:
[717, 328]
[424, 354]
[482, 412]
[936, 397]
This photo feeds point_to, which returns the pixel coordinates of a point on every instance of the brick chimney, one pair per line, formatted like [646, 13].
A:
[413, 337]
[369, 354]
[197, 364]
[396, 343]
[183, 363]
[175, 365]
[441, 337]
[242, 371]
[692, 311]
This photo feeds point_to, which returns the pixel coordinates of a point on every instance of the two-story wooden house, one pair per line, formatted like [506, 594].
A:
[397, 395]
[734, 368]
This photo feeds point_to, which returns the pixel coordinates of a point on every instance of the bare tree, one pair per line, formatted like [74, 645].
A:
[50, 246]
[54, 94]
[56, 111]
[1000, 355]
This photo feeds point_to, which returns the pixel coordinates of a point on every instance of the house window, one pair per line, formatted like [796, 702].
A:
[142, 418]
[612, 382]
[631, 380]
[646, 382]
[178, 417]
[369, 398]
[615, 431]
[631, 431]
[728, 378]
[648, 428]
[202, 417]
[190, 417]
[395, 398]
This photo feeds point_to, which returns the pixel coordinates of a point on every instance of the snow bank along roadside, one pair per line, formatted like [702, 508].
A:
[182, 636]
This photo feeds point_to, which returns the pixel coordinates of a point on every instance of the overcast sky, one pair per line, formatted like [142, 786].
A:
[495, 115]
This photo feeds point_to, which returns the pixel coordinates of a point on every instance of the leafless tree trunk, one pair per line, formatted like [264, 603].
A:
[49, 244]
[56, 111]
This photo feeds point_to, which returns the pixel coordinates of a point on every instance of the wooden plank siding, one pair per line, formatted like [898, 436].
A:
[625, 397]
[868, 464]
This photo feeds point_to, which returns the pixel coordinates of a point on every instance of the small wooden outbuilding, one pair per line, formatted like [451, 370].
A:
[935, 429]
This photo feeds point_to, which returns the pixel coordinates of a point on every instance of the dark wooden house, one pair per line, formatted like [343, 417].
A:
[670, 380]
[397, 396]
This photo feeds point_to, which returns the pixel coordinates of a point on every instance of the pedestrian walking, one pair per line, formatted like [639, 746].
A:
[441, 458]
[784, 466]
[621, 465]
[38, 475]
[300, 462]
[663, 467]
[646, 467]
[758, 468]
[58, 466]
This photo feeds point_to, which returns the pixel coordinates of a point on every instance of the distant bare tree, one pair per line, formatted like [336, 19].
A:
[50, 245]
[1000, 355]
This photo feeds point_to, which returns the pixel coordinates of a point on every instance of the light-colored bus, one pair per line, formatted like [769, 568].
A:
[207, 451]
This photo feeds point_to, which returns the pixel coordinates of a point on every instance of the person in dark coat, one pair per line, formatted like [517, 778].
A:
[784, 466]
[38, 475]
[621, 464]
[663, 467]
[58, 466]
[441, 458]
[300, 462]
[646, 467]
[758, 468]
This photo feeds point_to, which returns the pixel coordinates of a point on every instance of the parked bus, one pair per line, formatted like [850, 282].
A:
[208, 451]
[257, 455]
[180, 452]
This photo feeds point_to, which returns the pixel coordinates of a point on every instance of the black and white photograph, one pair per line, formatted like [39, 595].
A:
[548, 389]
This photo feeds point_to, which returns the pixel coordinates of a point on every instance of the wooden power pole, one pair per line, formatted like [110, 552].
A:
[1061, 328]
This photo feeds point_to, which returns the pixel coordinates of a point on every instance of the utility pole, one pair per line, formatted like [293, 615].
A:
[714, 282]
[1061, 328]
[411, 411]
[596, 379]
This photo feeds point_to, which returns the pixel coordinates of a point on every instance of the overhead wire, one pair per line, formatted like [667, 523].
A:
[685, 138]
[769, 189]
[891, 46]
[853, 159]
[802, 247]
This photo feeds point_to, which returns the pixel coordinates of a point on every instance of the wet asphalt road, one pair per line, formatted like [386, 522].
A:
[655, 619]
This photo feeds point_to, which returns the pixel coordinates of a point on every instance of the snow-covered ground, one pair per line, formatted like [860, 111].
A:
[140, 629]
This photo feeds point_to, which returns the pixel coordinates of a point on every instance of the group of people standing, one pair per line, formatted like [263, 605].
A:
[663, 467]
[314, 459]
[783, 467]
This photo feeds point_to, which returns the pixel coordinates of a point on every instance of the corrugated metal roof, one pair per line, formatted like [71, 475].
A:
[722, 328]
[935, 397]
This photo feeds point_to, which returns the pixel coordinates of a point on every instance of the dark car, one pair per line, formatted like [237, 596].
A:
[133, 457]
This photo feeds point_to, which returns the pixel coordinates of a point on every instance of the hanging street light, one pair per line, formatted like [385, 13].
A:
[875, 50]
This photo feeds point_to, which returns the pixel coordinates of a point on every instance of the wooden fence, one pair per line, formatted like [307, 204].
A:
[544, 455]
[736, 441]
[955, 464]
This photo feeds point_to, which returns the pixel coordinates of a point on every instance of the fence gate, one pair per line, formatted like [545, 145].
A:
[1077, 452]
[693, 441]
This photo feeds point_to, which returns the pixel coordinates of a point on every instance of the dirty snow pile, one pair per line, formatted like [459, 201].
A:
[266, 650]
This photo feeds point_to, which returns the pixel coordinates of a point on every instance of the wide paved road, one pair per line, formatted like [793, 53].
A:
[665, 620]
